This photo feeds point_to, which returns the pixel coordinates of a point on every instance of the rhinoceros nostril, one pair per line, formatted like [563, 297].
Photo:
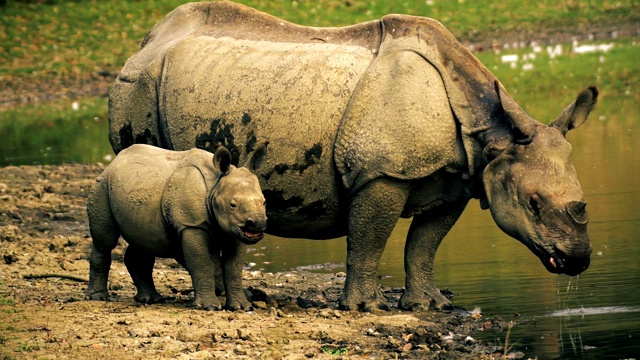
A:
[255, 225]
[577, 210]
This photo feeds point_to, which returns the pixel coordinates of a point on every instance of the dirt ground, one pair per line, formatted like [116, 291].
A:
[43, 230]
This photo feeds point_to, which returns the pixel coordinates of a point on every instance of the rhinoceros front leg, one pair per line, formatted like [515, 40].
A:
[232, 262]
[373, 214]
[424, 237]
[197, 260]
[216, 258]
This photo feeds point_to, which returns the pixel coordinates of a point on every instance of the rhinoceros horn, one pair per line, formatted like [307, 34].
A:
[523, 127]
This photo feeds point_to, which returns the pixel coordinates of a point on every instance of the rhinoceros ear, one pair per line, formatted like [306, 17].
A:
[576, 113]
[222, 160]
[523, 127]
[257, 158]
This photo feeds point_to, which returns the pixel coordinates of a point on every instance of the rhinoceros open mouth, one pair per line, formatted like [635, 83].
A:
[557, 262]
[251, 236]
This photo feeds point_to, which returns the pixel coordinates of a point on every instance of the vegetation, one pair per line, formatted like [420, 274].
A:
[77, 38]
[542, 83]
[58, 43]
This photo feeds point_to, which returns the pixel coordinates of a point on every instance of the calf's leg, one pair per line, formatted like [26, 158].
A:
[105, 233]
[198, 261]
[232, 261]
[140, 266]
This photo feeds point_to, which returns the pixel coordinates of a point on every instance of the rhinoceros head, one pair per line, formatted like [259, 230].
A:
[532, 188]
[237, 200]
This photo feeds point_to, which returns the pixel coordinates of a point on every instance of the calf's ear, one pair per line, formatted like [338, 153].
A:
[576, 113]
[222, 160]
[257, 158]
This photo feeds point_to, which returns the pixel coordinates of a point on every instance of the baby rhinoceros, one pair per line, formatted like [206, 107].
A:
[192, 206]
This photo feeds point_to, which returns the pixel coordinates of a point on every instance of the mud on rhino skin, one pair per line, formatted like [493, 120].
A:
[369, 122]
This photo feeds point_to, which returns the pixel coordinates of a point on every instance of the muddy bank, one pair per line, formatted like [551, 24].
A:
[43, 230]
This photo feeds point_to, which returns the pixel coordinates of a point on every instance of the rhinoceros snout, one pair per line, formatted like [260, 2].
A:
[562, 263]
[256, 224]
[253, 228]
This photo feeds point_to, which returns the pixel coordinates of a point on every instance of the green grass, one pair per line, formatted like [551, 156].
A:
[552, 83]
[76, 38]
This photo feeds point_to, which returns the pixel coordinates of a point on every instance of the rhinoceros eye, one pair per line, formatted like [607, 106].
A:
[233, 205]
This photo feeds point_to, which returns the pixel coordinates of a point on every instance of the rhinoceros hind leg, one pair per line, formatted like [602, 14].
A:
[140, 267]
[373, 214]
[424, 237]
[100, 262]
[105, 233]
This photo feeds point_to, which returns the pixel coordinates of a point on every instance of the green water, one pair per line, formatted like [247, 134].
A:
[63, 131]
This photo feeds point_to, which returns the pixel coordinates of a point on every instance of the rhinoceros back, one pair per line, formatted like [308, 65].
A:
[238, 77]
[134, 185]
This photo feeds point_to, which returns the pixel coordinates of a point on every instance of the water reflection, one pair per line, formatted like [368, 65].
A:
[62, 132]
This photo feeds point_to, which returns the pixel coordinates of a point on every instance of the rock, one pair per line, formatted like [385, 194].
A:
[10, 233]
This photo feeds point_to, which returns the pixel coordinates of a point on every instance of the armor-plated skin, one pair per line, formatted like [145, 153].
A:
[188, 205]
[368, 123]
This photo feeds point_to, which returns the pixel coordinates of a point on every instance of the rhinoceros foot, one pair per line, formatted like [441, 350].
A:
[193, 305]
[211, 304]
[151, 298]
[102, 295]
[367, 304]
[423, 301]
[237, 306]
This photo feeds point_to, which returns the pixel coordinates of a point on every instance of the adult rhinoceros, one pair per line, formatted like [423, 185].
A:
[367, 123]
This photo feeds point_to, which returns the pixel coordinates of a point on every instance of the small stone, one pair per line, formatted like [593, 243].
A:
[244, 334]
[185, 336]
[239, 350]
[260, 305]
[10, 233]
[204, 354]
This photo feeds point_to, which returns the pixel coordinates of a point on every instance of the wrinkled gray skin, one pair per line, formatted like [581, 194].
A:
[371, 122]
[187, 205]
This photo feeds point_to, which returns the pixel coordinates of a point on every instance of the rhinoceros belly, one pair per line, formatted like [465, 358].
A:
[136, 184]
[242, 92]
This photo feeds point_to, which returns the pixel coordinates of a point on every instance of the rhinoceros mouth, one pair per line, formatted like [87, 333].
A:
[251, 236]
[553, 263]
[557, 262]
